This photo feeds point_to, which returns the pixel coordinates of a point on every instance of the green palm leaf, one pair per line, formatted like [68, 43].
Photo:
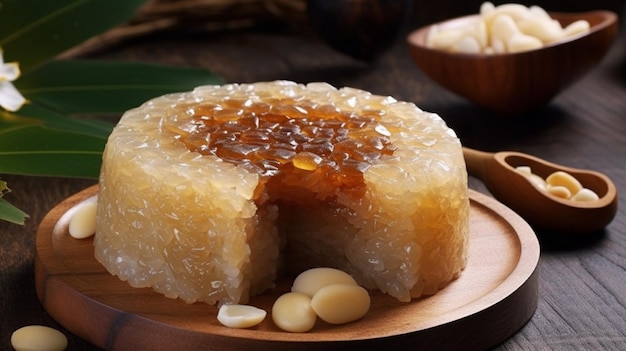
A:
[101, 87]
[35, 31]
[46, 137]
[11, 213]
[52, 145]
[42, 139]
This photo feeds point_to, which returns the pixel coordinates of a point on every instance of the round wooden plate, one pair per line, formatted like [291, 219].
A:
[494, 297]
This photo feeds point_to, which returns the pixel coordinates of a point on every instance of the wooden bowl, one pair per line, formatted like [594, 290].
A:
[514, 84]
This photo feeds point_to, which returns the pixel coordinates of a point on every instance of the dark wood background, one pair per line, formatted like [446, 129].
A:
[582, 292]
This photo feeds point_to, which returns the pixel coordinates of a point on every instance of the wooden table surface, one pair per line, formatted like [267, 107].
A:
[582, 279]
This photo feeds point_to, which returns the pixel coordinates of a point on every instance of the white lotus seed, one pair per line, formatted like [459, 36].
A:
[311, 281]
[515, 11]
[292, 312]
[585, 195]
[560, 178]
[341, 303]
[497, 30]
[546, 30]
[576, 28]
[538, 181]
[83, 222]
[240, 316]
[559, 191]
[467, 45]
[486, 8]
[522, 42]
[38, 338]
[538, 12]
[444, 39]
[503, 28]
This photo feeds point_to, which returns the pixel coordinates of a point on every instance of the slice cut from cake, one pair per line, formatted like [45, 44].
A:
[212, 195]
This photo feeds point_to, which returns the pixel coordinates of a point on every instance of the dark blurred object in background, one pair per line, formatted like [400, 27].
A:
[362, 29]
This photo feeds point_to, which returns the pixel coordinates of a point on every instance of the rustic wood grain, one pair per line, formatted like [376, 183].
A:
[582, 279]
[495, 295]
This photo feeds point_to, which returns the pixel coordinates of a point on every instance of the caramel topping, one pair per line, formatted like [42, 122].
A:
[301, 139]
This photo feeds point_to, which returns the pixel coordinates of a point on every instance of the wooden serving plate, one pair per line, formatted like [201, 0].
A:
[494, 297]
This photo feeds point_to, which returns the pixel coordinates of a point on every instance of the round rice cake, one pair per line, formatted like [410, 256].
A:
[213, 194]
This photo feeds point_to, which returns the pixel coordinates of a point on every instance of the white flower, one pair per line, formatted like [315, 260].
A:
[10, 97]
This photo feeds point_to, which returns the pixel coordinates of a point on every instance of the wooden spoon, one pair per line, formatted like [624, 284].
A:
[539, 208]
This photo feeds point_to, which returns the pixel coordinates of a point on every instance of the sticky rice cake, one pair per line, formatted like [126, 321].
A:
[212, 195]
